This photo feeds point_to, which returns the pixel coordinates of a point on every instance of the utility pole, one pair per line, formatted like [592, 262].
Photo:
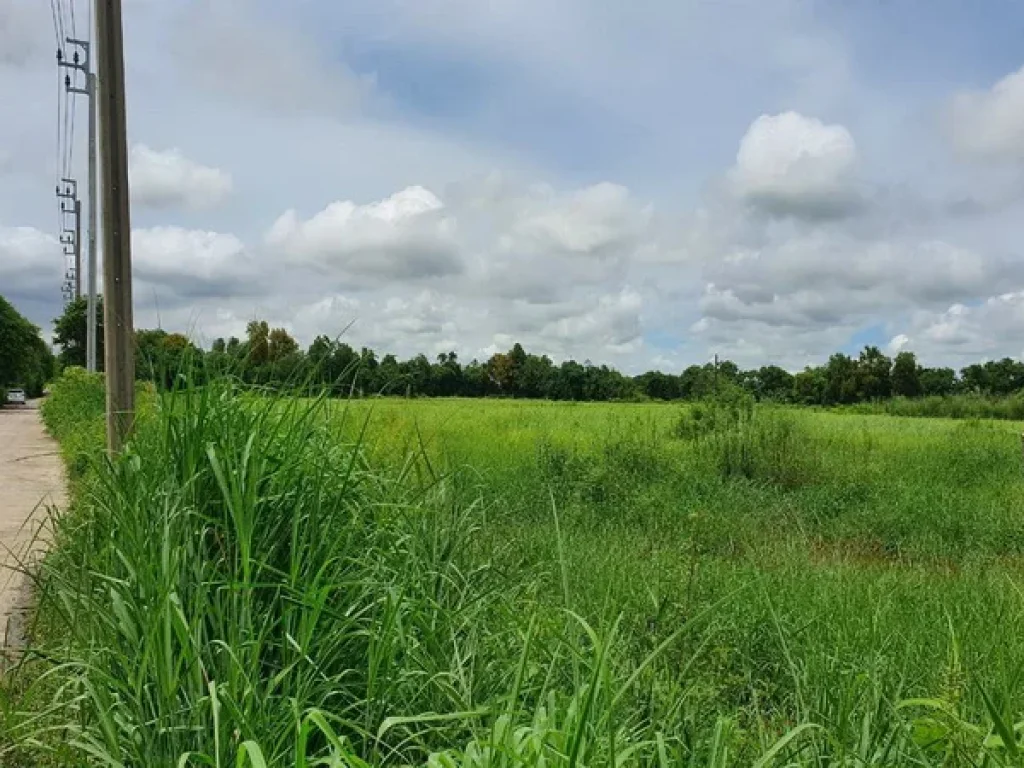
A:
[71, 237]
[118, 324]
[83, 64]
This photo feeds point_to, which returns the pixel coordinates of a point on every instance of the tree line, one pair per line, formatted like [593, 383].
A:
[271, 357]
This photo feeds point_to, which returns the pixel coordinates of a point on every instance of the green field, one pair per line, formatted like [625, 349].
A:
[496, 582]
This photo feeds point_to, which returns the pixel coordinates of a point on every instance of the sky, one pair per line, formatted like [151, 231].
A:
[644, 184]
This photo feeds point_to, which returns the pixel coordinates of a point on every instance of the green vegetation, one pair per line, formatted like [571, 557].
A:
[69, 333]
[950, 407]
[25, 360]
[278, 581]
[270, 357]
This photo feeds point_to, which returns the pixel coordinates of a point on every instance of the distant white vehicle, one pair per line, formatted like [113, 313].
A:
[16, 396]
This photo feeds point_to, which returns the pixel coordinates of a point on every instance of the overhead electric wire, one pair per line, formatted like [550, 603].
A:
[53, 13]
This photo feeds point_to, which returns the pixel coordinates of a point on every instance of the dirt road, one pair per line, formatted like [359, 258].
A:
[31, 480]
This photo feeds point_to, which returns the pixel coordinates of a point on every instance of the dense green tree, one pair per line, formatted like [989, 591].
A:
[938, 381]
[25, 359]
[280, 344]
[258, 333]
[841, 384]
[810, 386]
[163, 357]
[658, 385]
[906, 375]
[874, 374]
[70, 330]
[769, 382]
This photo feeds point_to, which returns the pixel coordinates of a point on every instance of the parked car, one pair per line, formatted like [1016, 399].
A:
[16, 396]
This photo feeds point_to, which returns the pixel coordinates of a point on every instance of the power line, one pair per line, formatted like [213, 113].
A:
[60, 25]
[56, 31]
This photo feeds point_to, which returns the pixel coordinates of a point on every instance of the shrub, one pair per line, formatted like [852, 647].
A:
[714, 415]
[768, 446]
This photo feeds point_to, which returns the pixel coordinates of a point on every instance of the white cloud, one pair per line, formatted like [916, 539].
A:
[594, 220]
[405, 236]
[613, 324]
[989, 125]
[166, 178]
[193, 263]
[792, 165]
[898, 343]
[31, 264]
[969, 333]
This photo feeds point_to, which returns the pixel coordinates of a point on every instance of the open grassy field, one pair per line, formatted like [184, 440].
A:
[485, 583]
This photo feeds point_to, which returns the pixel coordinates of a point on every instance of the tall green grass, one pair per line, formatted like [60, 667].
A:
[271, 581]
[948, 407]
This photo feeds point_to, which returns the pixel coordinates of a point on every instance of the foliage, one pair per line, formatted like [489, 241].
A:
[272, 358]
[906, 375]
[971, 406]
[25, 360]
[70, 331]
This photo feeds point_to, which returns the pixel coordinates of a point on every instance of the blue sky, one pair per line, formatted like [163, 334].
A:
[642, 184]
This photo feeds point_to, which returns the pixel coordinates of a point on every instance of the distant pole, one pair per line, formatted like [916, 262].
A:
[118, 324]
[90, 324]
[78, 249]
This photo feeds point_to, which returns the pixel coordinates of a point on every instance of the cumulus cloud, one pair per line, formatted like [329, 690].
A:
[166, 179]
[31, 264]
[598, 219]
[406, 236]
[969, 332]
[612, 324]
[192, 263]
[989, 125]
[826, 277]
[820, 287]
[792, 165]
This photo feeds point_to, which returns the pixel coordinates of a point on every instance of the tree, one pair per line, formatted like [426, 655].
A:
[874, 374]
[906, 375]
[25, 360]
[1004, 376]
[810, 386]
[280, 344]
[69, 333]
[841, 385]
[258, 333]
[770, 383]
[938, 381]
[163, 357]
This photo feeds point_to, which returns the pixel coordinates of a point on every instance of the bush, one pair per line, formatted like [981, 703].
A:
[74, 415]
[768, 446]
[714, 415]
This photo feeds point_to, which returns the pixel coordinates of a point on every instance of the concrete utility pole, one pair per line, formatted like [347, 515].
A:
[71, 237]
[83, 64]
[118, 328]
